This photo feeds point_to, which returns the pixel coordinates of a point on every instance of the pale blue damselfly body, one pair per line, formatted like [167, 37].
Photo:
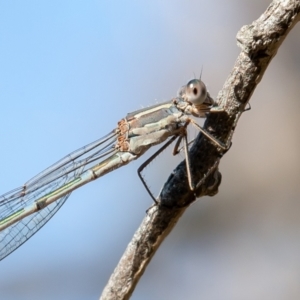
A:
[25, 210]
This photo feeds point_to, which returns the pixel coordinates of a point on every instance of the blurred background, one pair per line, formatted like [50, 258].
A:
[69, 70]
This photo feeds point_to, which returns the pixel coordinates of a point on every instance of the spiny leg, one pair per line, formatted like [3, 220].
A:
[187, 161]
[186, 152]
[183, 136]
[186, 144]
[209, 136]
[180, 149]
[146, 163]
[175, 150]
[187, 157]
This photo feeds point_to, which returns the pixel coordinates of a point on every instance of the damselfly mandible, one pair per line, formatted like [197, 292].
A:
[25, 210]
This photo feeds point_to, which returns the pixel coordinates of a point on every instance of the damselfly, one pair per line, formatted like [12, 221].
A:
[25, 210]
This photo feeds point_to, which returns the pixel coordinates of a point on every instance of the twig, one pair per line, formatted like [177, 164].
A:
[259, 43]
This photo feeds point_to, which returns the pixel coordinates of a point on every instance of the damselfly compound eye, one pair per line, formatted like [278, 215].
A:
[195, 91]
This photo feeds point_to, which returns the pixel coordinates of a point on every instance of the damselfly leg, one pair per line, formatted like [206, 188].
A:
[148, 161]
[182, 136]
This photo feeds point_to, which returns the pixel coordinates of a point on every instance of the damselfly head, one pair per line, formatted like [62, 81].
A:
[195, 92]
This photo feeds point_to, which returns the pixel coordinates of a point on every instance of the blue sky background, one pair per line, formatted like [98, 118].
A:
[69, 71]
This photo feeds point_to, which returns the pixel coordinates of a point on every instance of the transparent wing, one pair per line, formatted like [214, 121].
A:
[51, 179]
